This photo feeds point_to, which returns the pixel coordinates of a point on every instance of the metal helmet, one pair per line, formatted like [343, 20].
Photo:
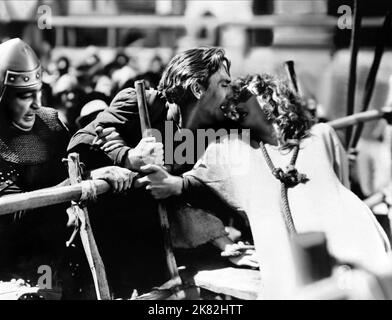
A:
[19, 66]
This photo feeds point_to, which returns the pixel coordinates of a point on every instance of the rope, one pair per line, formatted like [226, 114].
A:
[288, 179]
[89, 190]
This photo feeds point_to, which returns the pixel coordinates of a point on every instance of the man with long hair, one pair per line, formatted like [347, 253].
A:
[194, 87]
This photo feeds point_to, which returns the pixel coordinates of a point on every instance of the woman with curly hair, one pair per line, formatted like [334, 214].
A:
[291, 170]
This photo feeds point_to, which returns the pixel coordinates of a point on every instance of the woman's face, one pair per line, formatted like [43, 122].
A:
[251, 114]
[22, 107]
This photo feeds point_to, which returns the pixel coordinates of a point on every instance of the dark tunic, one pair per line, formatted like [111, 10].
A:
[132, 221]
[126, 226]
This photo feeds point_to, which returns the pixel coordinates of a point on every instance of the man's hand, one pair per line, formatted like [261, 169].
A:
[108, 139]
[148, 151]
[247, 259]
[159, 182]
[119, 178]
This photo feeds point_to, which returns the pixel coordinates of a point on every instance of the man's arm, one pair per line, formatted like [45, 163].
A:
[122, 115]
[192, 190]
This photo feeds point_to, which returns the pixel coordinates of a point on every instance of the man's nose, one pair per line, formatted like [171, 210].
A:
[36, 101]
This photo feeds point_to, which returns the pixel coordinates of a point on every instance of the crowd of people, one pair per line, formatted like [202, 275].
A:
[275, 163]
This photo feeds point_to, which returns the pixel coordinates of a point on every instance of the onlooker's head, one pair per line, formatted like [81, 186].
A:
[156, 65]
[62, 65]
[89, 112]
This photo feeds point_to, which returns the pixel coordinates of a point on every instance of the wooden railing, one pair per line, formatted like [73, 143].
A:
[163, 23]
[154, 21]
[49, 196]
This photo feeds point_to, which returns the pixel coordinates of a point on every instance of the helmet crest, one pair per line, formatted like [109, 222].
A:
[19, 66]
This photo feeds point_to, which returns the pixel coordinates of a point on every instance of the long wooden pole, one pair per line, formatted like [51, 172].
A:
[164, 221]
[360, 117]
[49, 196]
[353, 66]
[290, 70]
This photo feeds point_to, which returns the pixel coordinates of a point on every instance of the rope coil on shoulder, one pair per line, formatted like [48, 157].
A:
[288, 179]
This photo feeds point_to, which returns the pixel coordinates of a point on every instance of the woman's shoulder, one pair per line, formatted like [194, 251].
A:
[322, 130]
[325, 134]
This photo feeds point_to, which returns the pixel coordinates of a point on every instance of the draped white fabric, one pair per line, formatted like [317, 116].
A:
[240, 174]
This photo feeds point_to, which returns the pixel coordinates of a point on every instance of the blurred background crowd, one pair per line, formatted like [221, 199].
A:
[91, 49]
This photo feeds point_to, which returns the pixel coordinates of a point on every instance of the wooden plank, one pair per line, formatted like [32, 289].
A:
[153, 21]
[48, 196]
[371, 115]
[238, 283]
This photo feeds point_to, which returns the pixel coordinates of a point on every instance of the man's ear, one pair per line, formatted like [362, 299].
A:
[197, 90]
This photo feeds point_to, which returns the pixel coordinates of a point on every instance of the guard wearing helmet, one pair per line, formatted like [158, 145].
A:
[32, 144]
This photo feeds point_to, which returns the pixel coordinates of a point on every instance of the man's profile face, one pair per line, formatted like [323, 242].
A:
[217, 94]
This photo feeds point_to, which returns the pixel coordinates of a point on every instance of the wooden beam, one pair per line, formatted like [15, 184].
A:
[153, 21]
[49, 196]
[355, 119]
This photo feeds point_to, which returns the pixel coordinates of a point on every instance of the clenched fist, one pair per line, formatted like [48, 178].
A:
[148, 151]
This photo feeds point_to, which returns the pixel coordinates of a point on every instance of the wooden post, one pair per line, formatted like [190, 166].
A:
[290, 70]
[86, 234]
[146, 132]
[353, 66]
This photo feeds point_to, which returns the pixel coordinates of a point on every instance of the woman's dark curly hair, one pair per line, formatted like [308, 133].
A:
[280, 104]
[187, 68]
